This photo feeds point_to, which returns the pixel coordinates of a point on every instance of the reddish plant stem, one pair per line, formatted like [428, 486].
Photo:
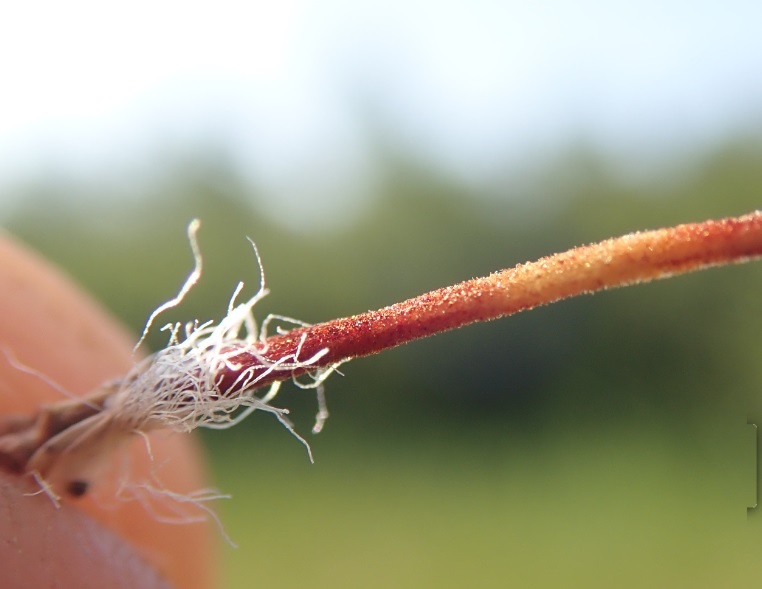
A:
[637, 257]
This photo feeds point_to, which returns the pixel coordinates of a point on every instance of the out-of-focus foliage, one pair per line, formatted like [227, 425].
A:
[486, 454]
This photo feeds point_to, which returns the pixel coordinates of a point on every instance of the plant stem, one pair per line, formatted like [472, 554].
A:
[638, 257]
[630, 259]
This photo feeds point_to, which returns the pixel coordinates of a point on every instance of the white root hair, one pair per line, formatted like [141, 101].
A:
[208, 375]
[17, 364]
[152, 495]
[178, 387]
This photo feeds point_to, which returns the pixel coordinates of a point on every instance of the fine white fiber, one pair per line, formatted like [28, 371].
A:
[208, 375]
[178, 387]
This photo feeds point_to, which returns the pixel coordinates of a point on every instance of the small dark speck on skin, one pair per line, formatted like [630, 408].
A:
[77, 488]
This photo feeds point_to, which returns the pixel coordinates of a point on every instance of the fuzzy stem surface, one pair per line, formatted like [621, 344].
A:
[633, 258]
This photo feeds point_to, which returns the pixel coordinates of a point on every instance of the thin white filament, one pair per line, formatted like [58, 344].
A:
[192, 279]
[180, 386]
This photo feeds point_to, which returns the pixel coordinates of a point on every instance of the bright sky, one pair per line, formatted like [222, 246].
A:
[88, 86]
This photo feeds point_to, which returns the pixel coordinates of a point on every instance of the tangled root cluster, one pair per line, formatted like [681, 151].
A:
[180, 386]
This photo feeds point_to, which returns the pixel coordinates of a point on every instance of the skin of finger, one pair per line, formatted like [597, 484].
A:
[50, 326]
[44, 546]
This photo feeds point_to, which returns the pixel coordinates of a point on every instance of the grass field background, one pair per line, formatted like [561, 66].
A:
[615, 507]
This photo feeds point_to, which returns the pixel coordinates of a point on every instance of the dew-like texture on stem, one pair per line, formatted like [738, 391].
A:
[633, 258]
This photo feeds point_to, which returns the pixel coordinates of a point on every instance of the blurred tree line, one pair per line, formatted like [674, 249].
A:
[678, 351]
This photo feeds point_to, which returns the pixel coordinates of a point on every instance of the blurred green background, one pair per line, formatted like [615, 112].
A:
[598, 442]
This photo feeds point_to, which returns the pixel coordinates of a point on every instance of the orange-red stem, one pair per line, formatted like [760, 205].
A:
[637, 257]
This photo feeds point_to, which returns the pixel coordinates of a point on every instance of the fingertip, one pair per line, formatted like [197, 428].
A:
[51, 326]
[47, 546]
